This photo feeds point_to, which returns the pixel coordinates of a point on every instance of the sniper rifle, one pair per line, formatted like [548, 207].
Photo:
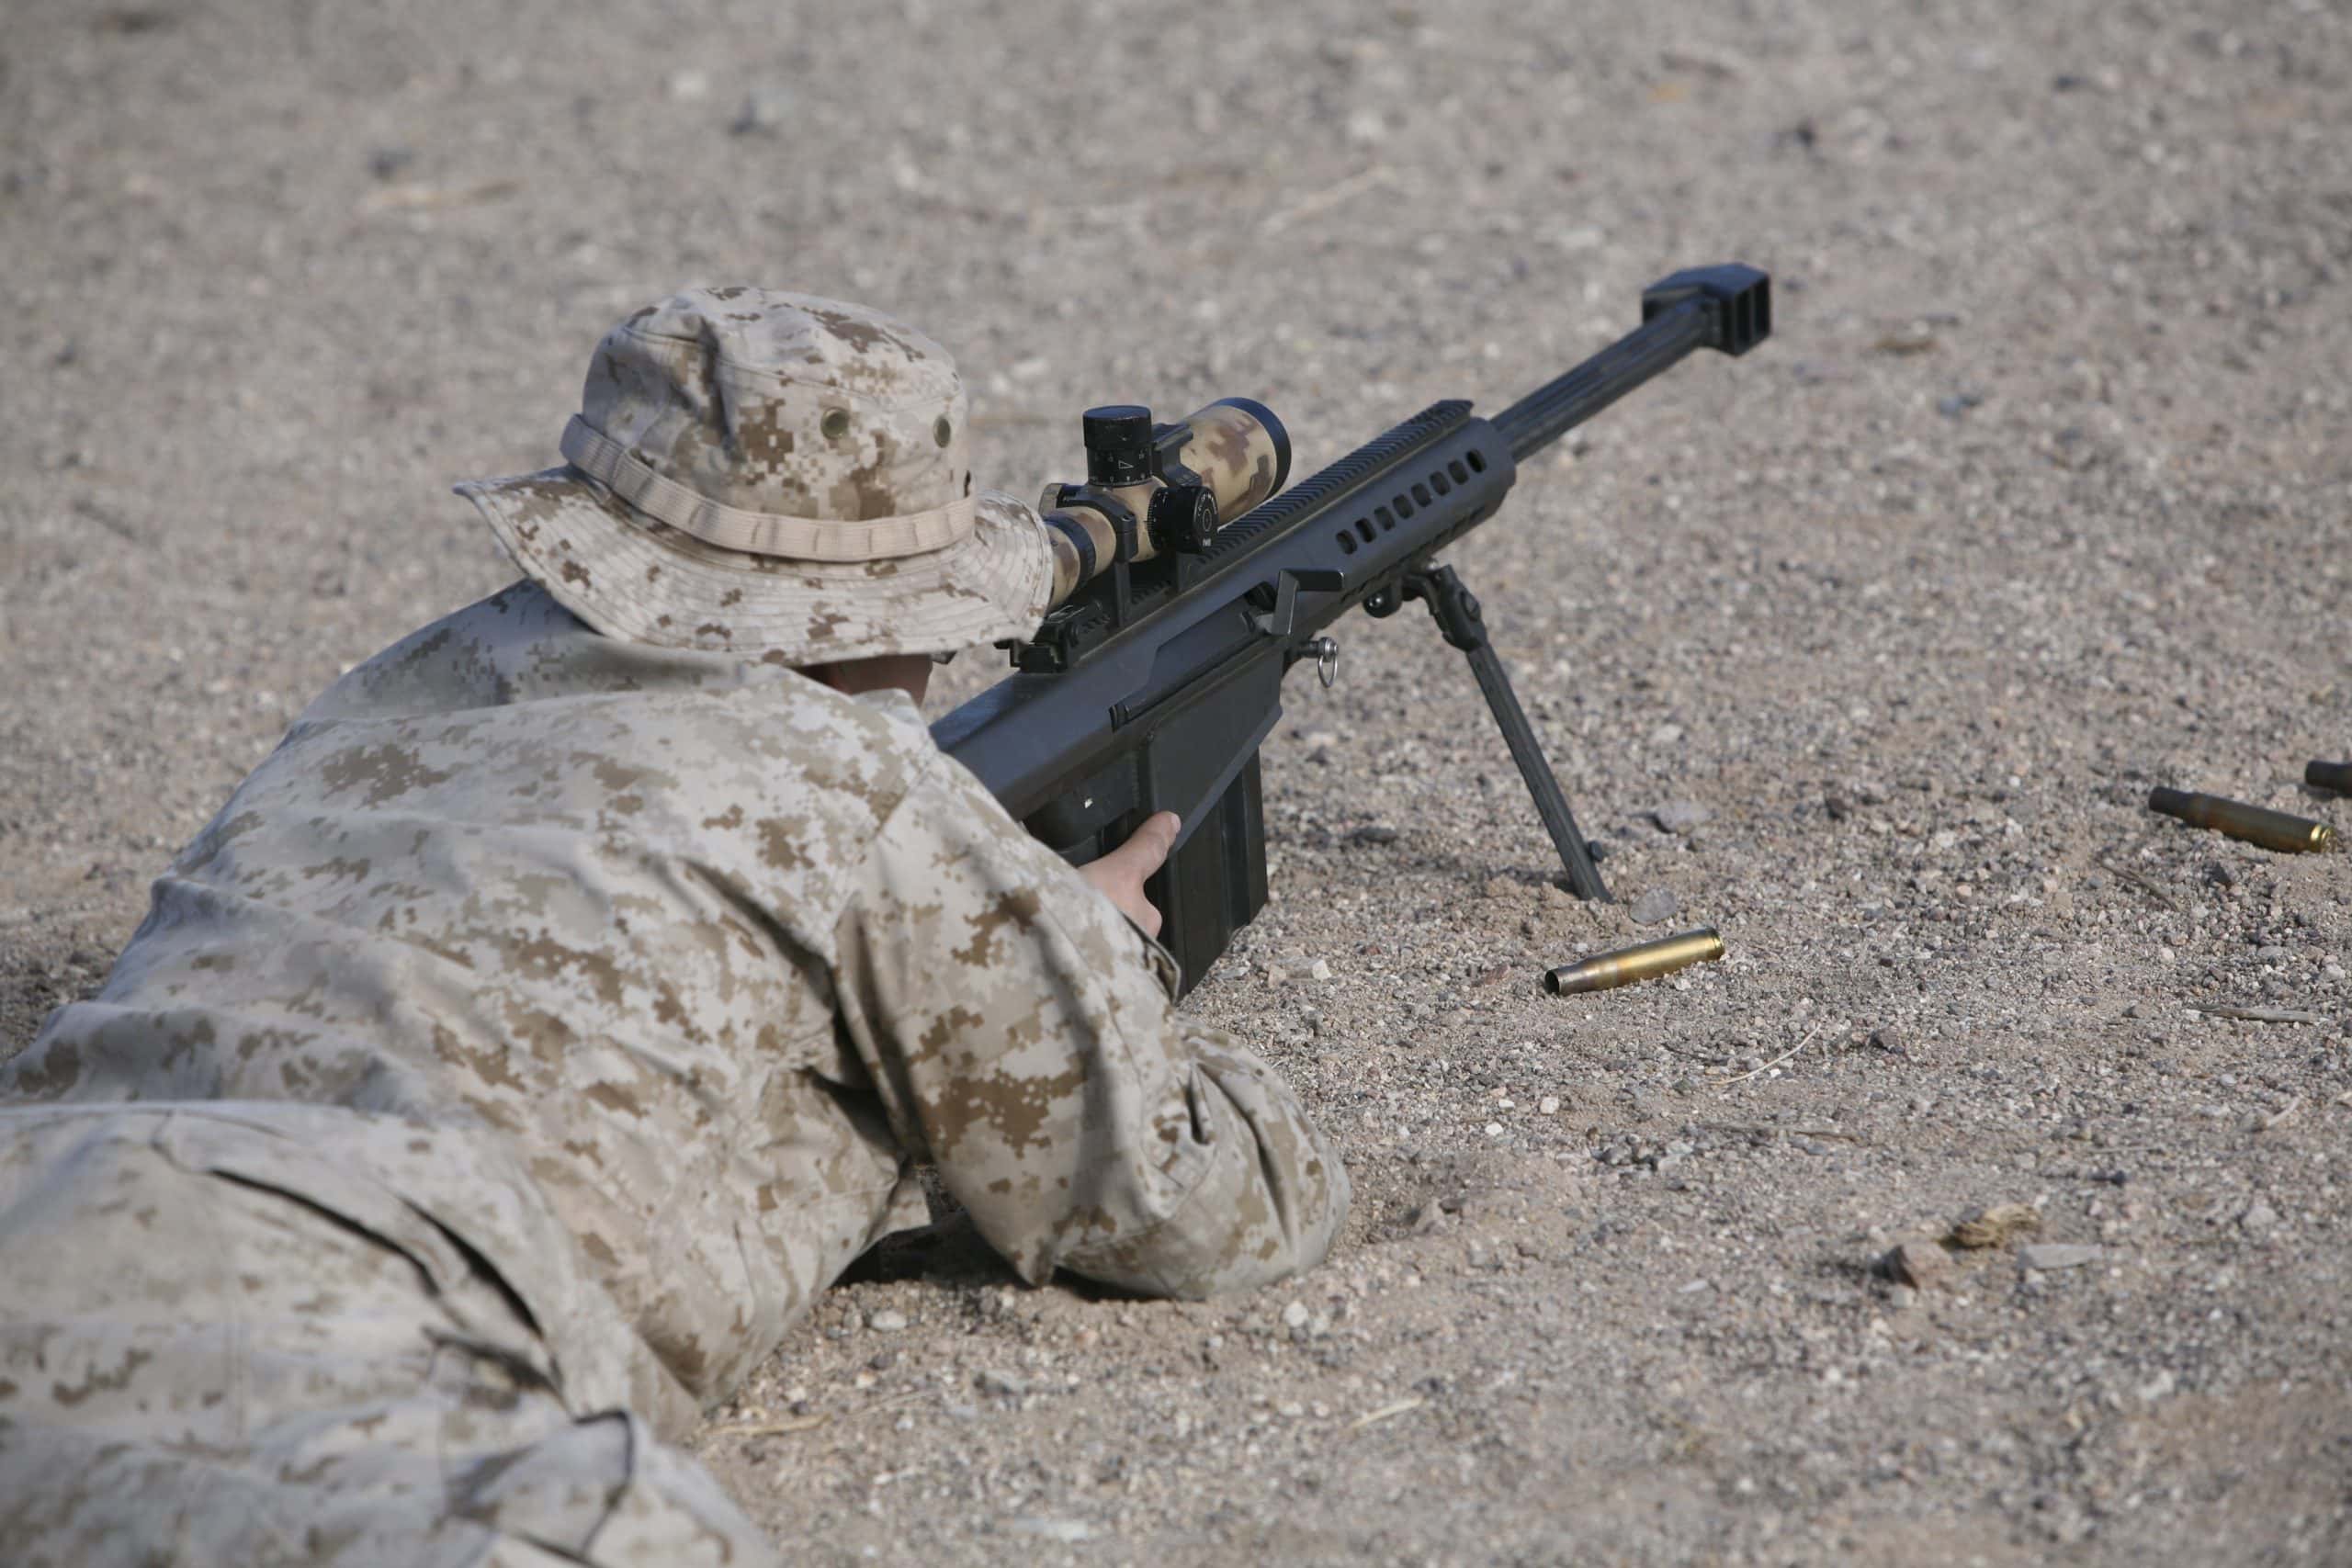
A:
[1188, 583]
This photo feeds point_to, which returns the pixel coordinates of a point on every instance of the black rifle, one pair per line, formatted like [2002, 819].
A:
[1153, 687]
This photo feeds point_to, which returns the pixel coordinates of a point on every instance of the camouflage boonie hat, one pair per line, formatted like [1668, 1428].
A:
[774, 474]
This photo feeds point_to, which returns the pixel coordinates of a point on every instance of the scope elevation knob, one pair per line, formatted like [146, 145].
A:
[1118, 444]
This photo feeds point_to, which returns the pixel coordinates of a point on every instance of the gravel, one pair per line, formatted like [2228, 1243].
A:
[278, 276]
[1656, 906]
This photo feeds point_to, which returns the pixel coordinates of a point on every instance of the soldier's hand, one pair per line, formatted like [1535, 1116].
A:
[1119, 875]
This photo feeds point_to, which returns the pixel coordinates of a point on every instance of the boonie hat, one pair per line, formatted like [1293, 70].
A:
[774, 474]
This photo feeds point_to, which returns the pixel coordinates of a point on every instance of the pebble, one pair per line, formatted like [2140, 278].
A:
[1046, 1529]
[764, 111]
[994, 1381]
[1374, 833]
[887, 1320]
[1295, 1316]
[2259, 1216]
[1549, 1105]
[1917, 1264]
[1681, 816]
[1320, 971]
[1655, 905]
[2049, 1255]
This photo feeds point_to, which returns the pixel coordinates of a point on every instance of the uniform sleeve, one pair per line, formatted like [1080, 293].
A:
[1022, 1034]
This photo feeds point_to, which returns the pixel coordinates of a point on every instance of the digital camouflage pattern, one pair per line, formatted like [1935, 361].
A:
[1227, 449]
[829, 445]
[594, 1004]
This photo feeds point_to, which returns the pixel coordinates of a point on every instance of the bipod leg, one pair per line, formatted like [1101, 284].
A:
[1457, 614]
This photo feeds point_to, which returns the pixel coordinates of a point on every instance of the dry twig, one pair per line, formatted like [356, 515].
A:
[2260, 1015]
[413, 198]
[1777, 1060]
[1384, 1413]
[1323, 200]
[2141, 881]
[779, 1428]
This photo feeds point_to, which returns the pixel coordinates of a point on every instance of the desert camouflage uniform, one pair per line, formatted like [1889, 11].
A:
[505, 1067]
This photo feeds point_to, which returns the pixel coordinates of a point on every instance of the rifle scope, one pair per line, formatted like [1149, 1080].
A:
[1161, 489]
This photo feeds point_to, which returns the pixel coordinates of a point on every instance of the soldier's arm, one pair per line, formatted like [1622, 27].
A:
[1022, 1034]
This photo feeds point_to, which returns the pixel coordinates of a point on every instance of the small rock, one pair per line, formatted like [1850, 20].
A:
[1319, 971]
[1995, 1226]
[1655, 905]
[1681, 816]
[1549, 1105]
[1917, 1264]
[385, 162]
[2155, 1388]
[689, 86]
[1296, 1315]
[1005, 1384]
[1046, 1529]
[764, 111]
[1374, 833]
[887, 1320]
[2049, 1255]
[1666, 735]
[2259, 1216]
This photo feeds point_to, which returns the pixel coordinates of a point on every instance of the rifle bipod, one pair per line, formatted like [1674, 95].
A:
[1456, 611]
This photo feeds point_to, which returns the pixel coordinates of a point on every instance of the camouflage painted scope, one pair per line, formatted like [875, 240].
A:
[1154, 489]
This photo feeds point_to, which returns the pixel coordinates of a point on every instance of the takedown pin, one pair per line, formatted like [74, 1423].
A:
[2255, 824]
[1604, 971]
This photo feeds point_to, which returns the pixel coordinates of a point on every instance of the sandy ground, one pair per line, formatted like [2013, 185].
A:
[2038, 498]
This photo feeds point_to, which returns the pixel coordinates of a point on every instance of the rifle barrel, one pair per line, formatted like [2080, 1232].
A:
[1560, 405]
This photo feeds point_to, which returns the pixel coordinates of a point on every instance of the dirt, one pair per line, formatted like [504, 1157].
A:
[2040, 496]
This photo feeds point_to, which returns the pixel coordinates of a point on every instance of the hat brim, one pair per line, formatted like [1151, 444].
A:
[631, 577]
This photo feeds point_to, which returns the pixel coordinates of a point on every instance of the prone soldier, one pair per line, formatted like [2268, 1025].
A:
[573, 994]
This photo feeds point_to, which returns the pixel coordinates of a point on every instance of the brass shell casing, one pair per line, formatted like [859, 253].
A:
[2337, 776]
[2255, 824]
[1604, 971]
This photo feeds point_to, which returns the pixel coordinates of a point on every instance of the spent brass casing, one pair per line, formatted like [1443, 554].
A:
[1604, 971]
[2337, 776]
[2255, 824]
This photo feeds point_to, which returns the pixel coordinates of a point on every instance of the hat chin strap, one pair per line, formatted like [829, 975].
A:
[759, 533]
